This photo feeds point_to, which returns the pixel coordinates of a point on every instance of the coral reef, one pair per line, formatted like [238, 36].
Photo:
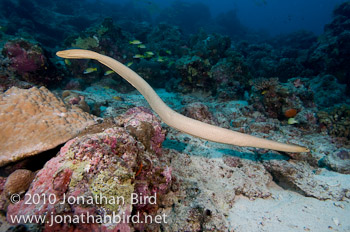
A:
[336, 120]
[18, 182]
[327, 90]
[141, 123]
[291, 88]
[330, 54]
[275, 99]
[194, 74]
[71, 98]
[29, 62]
[110, 165]
[41, 119]
[200, 112]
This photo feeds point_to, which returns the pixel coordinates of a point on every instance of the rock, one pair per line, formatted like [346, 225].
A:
[200, 112]
[338, 161]
[301, 177]
[143, 125]
[104, 170]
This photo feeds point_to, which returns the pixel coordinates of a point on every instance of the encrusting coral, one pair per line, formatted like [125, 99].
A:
[174, 119]
[35, 120]
[18, 182]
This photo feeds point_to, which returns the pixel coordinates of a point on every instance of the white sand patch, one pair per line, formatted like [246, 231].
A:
[289, 211]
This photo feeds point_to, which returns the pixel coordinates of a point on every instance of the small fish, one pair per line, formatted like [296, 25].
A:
[149, 54]
[138, 56]
[141, 46]
[292, 121]
[118, 98]
[168, 52]
[108, 72]
[264, 92]
[106, 87]
[135, 42]
[90, 70]
[67, 62]
[160, 59]
[129, 63]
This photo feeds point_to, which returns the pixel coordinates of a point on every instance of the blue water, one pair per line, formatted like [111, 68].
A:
[271, 16]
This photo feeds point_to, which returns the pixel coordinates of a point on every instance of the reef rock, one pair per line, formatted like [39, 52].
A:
[143, 125]
[96, 176]
[309, 181]
[28, 60]
[35, 120]
[200, 112]
[339, 161]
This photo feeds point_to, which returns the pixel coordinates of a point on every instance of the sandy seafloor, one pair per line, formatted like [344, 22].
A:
[286, 211]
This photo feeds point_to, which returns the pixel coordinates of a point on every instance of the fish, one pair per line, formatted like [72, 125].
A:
[160, 59]
[149, 54]
[67, 62]
[135, 42]
[264, 92]
[90, 70]
[118, 98]
[292, 121]
[141, 46]
[138, 56]
[108, 72]
[129, 63]
[168, 52]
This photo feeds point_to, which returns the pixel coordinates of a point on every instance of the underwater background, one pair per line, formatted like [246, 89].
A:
[78, 142]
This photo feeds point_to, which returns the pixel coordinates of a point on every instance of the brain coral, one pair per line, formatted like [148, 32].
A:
[34, 120]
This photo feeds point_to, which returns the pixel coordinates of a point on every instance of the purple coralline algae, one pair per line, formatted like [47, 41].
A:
[28, 60]
[101, 175]
[141, 123]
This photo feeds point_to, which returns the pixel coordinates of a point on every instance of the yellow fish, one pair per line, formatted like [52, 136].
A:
[67, 62]
[292, 121]
[149, 54]
[129, 64]
[118, 98]
[135, 42]
[160, 59]
[138, 56]
[141, 46]
[108, 72]
[263, 92]
[90, 70]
